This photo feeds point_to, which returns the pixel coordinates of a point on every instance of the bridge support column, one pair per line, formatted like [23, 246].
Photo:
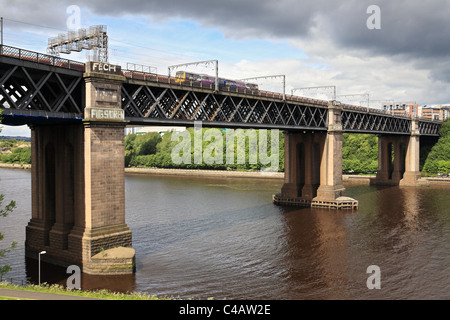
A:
[294, 162]
[393, 158]
[78, 183]
[106, 239]
[384, 173]
[331, 185]
[57, 192]
[313, 167]
[302, 158]
[412, 168]
[104, 220]
[313, 144]
[331, 190]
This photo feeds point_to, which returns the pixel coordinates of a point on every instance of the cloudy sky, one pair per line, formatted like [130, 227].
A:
[400, 52]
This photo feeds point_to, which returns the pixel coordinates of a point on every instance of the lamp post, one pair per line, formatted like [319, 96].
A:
[39, 259]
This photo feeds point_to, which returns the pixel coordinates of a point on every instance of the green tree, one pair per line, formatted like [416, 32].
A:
[359, 153]
[137, 145]
[18, 155]
[438, 160]
[141, 151]
[145, 144]
[129, 141]
[445, 128]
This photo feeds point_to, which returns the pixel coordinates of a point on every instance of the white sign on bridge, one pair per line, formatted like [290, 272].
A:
[102, 67]
[106, 114]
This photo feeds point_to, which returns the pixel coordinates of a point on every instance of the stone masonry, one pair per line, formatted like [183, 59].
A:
[78, 182]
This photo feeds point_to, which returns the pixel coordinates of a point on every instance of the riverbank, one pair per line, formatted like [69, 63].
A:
[367, 180]
[15, 166]
[207, 173]
[181, 172]
[348, 179]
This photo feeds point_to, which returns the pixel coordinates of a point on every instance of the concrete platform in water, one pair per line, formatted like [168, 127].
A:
[339, 203]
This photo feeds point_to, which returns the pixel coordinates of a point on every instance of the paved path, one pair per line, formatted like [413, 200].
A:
[23, 294]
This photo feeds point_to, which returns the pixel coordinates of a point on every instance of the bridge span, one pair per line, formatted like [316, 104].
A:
[77, 114]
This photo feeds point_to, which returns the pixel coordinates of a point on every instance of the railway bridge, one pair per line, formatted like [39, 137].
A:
[77, 114]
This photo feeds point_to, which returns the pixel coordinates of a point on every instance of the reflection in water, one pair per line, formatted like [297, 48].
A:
[317, 253]
[332, 237]
[223, 238]
[411, 201]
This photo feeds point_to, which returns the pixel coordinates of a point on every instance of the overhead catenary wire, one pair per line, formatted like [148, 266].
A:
[137, 55]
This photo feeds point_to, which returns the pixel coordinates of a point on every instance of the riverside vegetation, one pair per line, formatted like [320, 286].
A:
[151, 150]
[15, 152]
[438, 159]
[98, 294]
[359, 153]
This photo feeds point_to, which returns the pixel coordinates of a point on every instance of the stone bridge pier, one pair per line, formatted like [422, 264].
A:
[78, 184]
[399, 158]
[313, 167]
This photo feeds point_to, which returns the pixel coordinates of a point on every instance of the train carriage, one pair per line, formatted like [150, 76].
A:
[195, 79]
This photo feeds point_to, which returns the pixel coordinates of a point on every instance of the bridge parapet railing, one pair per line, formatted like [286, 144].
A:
[32, 56]
[392, 113]
[364, 109]
[396, 114]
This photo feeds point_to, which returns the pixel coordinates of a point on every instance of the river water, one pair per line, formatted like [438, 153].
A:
[223, 238]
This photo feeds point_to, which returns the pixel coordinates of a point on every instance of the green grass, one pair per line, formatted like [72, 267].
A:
[99, 294]
[7, 298]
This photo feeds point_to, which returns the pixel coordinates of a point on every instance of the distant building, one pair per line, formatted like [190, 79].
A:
[445, 112]
[431, 113]
[435, 112]
[402, 109]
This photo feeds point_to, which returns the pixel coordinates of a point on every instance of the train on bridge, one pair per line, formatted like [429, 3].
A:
[209, 81]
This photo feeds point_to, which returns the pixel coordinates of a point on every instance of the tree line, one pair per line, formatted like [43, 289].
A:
[359, 153]
[151, 150]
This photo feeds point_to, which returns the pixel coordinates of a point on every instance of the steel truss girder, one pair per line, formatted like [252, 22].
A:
[23, 88]
[47, 90]
[141, 101]
[429, 128]
[374, 123]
